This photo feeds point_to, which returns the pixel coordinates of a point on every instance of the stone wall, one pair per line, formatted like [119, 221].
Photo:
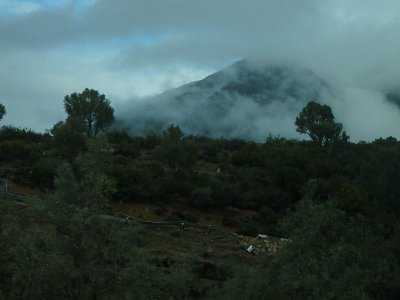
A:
[263, 244]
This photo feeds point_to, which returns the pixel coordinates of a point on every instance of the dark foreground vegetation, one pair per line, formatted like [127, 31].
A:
[337, 201]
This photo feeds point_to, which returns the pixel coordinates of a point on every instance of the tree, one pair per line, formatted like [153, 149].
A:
[92, 107]
[2, 111]
[178, 153]
[318, 122]
[69, 136]
[331, 255]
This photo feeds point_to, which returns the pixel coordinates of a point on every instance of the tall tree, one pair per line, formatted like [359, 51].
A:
[2, 111]
[318, 122]
[92, 107]
[178, 153]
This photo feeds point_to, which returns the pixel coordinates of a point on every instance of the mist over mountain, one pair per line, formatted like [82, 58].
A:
[247, 100]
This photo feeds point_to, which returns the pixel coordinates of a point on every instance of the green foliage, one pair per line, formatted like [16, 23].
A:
[91, 187]
[351, 197]
[202, 198]
[96, 188]
[26, 135]
[377, 171]
[2, 111]
[17, 150]
[123, 144]
[329, 256]
[345, 233]
[66, 185]
[233, 144]
[43, 172]
[51, 251]
[249, 156]
[150, 141]
[118, 136]
[174, 187]
[318, 122]
[92, 108]
[224, 193]
[341, 256]
[69, 138]
[179, 154]
[136, 184]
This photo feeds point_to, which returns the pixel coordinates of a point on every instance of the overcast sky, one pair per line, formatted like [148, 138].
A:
[129, 49]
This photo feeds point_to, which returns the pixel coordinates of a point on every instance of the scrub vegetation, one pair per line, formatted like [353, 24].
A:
[337, 201]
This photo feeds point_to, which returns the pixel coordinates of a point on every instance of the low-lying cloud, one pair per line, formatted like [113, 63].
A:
[131, 49]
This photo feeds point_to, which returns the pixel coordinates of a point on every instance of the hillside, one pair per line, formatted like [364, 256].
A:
[337, 203]
[244, 100]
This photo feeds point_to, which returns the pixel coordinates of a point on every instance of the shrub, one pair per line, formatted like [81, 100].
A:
[201, 198]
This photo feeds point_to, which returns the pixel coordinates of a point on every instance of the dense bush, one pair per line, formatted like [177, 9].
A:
[19, 150]
[345, 231]
[330, 255]
[27, 135]
[202, 198]
[250, 157]
[81, 256]
[43, 172]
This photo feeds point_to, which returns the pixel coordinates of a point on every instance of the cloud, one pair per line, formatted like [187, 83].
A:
[366, 114]
[129, 49]
[18, 8]
[247, 100]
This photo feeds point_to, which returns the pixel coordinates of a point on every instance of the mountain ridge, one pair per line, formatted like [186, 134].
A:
[246, 100]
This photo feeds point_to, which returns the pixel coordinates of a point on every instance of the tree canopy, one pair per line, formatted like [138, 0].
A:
[69, 136]
[92, 107]
[177, 152]
[2, 111]
[318, 122]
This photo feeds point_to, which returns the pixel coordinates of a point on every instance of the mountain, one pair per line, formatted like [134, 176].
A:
[246, 100]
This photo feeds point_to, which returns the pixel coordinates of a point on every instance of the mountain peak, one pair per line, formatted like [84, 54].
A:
[246, 99]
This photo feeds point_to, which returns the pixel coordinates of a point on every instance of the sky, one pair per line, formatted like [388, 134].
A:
[132, 49]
